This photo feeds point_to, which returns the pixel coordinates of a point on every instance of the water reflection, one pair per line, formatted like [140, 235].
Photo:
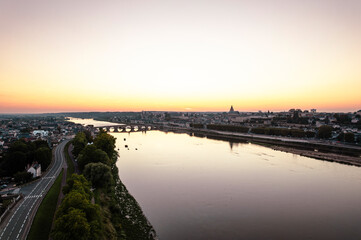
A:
[191, 186]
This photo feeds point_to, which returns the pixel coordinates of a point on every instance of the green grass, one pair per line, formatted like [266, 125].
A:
[70, 170]
[41, 227]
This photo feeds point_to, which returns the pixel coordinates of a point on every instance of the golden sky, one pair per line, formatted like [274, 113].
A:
[190, 55]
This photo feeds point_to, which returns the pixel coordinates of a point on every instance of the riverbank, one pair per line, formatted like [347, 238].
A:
[108, 210]
[322, 150]
[134, 222]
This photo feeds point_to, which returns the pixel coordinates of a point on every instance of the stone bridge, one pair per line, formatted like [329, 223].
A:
[127, 127]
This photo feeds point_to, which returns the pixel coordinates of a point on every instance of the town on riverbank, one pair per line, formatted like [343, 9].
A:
[26, 142]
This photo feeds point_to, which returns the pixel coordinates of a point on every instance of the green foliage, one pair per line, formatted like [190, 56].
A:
[298, 133]
[342, 118]
[91, 154]
[296, 118]
[43, 156]
[325, 132]
[106, 143]
[23, 177]
[76, 214]
[72, 225]
[98, 174]
[15, 162]
[229, 128]
[79, 142]
[78, 183]
[88, 136]
[21, 153]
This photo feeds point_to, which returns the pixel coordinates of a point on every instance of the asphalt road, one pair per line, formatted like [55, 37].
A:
[21, 217]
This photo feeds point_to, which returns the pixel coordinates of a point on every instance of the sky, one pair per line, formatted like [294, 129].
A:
[189, 55]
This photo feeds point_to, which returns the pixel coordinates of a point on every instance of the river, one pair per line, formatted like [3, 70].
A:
[199, 188]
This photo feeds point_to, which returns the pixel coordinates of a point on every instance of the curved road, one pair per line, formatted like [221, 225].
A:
[22, 216]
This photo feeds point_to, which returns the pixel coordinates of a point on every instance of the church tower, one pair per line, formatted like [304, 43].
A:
[231, 110]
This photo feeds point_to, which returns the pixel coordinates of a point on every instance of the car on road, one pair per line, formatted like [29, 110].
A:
[3, 186]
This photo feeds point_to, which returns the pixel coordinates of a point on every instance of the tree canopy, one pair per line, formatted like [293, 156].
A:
[106, 143]
[77, 217]
[91, 154]
[21, 153]
[325, 132]
[79, 142]
[98, 174]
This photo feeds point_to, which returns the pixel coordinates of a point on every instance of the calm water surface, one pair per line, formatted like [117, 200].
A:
[88, 121]
[199, 188]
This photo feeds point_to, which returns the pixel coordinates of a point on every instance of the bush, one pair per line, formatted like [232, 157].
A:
[23, 177]
[325, 132]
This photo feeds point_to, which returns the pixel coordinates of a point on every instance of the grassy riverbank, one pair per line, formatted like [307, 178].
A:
[96, 202]
[41, 227]
[122, 214]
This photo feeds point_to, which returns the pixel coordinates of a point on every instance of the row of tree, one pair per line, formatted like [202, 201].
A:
[323, 132]
[77, 217]
[299, 133]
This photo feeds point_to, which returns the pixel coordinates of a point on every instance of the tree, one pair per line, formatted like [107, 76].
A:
[43, 156]
[15, 162]
[86, 219]
[72, 225]
[325, 132]
[41, 143]
[88, 136]
[98, 174]
[91, 154]
[23, 177]
[342, 118]
[21, 153]
[78, 183]
[79, 142]
[106, 143]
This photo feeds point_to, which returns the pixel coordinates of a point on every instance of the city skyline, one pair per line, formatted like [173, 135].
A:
[179, 56]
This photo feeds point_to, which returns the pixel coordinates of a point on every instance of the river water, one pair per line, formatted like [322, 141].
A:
[200, 188]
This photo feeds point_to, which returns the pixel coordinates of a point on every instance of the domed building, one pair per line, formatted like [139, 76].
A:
[233, 113]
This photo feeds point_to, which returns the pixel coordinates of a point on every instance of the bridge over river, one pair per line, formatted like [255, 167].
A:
[127, 127]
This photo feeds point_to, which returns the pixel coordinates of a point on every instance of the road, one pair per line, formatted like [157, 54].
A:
[21, 217]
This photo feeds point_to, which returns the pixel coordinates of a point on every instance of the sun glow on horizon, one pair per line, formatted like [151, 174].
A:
[174, 56]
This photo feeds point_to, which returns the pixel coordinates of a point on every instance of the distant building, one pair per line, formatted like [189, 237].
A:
[231, 110]
[232, 113]
[35, 169]
[40, 133]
